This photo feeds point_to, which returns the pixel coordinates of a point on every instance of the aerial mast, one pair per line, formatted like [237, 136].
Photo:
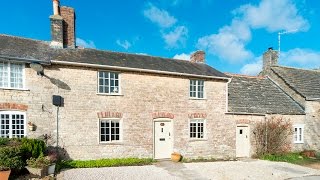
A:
[279, 38]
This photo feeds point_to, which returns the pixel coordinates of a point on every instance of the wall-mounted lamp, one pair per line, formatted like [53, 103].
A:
[37, 67]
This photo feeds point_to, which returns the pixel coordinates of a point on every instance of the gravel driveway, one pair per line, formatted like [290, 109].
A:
[245, 169]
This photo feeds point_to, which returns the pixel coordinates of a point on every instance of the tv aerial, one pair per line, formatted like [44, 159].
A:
[279, 38]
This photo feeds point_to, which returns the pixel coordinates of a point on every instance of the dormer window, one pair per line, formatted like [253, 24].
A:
[108, 82]
[11, 75]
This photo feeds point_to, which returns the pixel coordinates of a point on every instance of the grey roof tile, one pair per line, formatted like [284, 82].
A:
[34, 49]
[259, 95]
[305, 82]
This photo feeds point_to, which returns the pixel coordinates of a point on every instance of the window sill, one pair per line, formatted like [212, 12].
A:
[17, 89]
[111, 143]
[191, 98]
[105, 94]
[194, 140]
[298, 142]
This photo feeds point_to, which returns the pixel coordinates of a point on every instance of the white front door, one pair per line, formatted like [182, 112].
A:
[243, 141]
[163, 139]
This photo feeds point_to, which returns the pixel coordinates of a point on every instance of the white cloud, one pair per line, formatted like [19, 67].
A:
[182, 56]
[125, 44]
[252, 69]
[274, 15]
[161, 17]
[176, 38]
[83, 43]
[301, 58]
[230, 42]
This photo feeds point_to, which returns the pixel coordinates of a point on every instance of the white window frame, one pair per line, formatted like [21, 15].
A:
[9, 76]
[109, 81]
[197, 89]
[10, 113]
[120, 131]
[197, 120]
[300, 132]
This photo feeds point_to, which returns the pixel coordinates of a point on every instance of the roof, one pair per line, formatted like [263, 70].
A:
[259, 95]
[305, 82]
[33, 49]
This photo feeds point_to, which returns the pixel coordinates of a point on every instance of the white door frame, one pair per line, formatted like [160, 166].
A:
[153, 130]
[249, 143]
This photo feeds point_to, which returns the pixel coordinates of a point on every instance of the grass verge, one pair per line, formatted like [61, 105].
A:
[294, 158]
[103, 163]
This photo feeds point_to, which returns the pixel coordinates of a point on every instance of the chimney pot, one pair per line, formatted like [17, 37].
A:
[56, 7]
[198, 57]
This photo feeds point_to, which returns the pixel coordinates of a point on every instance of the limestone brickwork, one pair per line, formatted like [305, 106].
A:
[142, 97]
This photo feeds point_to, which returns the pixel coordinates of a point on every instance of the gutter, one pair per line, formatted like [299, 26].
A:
[25, 60]
[134, 69]
[313, 99]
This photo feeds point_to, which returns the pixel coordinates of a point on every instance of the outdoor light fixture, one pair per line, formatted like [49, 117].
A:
[37, 67]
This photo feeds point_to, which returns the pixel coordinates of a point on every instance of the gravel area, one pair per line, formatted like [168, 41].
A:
[245, 169]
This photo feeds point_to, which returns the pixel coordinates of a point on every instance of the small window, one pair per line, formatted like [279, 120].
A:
[197, 129]
[12, 124]
[108, 82]
[298, 133]
[110, 130]
[11, 75]
[197, 89]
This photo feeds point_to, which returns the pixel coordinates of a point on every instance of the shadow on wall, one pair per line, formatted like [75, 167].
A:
[60, 84]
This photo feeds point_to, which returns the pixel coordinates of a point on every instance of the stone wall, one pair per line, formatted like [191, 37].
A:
[142, 95]
[313, 125]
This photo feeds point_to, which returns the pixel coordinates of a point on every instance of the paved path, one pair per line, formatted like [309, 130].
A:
[245, 169]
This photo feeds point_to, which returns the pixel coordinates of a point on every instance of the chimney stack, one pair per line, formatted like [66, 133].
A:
[270, 58]
[198, 57]
[62, 26]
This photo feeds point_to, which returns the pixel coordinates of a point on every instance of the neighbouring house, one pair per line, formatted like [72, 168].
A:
[102, 104]
[293, 94]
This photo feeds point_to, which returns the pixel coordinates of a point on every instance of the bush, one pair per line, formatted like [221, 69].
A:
[14, 152]
[3, 141]
[39, 162]
[10, 158]
[272, 136]
[104, 163]
[32, 148]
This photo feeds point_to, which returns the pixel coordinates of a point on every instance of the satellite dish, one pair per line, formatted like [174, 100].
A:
[38, 68]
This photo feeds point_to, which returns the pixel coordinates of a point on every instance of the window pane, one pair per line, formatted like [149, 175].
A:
[103, 138]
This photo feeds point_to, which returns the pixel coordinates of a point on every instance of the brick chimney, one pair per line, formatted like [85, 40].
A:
[198, 57]
[68, 15]
[270, 58]
[62, 26]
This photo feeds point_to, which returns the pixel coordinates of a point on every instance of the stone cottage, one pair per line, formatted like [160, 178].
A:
[290, 93]
[102, 104]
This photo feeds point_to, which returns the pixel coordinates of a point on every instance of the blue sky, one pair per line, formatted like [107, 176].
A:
[233, 33]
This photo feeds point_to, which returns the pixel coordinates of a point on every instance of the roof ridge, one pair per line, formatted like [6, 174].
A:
[245, 76]
[103, 50]
[289, 67]
[25, 38]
